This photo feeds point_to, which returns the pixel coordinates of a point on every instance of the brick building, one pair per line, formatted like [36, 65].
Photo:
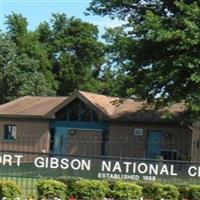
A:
[96, 125]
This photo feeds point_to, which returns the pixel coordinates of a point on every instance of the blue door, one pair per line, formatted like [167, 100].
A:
[154, 144]
[60, 144]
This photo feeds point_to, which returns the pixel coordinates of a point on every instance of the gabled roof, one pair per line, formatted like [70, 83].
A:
[117, 109]
[100, 103]
[111, 108]
[132, 110]
[29, 106]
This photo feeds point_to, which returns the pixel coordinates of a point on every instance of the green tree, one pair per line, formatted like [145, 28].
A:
[17, 28]
[157, 48]
[19, 74]
[27, 43]
[75, 52]
[56, 58]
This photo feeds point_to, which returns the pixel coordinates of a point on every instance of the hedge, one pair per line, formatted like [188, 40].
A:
[50, 189]
[183, 190]
[9, 190]
[170, 192]
[97, 190]
[126, 191]
[157, 191]
[193, 192]
[89, 189]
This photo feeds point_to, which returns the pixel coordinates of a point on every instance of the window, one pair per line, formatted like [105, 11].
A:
[86, 113]
[61, 114]
[77, 111]
[73, 113]
[95, 117]
[10, 132]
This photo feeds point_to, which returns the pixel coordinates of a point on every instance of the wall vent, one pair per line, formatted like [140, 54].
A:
[138, 131]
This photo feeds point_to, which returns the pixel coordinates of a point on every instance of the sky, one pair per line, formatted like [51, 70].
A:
[37, 11]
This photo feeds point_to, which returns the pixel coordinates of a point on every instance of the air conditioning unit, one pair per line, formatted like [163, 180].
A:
[138, 131]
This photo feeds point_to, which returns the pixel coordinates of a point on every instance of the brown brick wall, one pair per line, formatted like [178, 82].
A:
[32, 135]
[123, 142]
[85, 142]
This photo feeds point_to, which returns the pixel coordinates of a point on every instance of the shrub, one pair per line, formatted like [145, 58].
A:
[71, 186]
[170, 192]
[49, 189]
[153, 191]
[9, 190]
[159, 191]
[194, 192]
[183, 191]
[126, 190]
[89, 189]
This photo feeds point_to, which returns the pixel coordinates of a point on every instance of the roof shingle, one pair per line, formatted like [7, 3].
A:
[31, 106]
[112, 107]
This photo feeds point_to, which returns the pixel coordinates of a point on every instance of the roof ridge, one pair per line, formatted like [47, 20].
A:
[81, 91]
[48, 96]
[108, 109]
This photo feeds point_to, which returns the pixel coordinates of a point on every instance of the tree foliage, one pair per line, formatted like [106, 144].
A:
[27, 43]
[20, 75]
[157, 48]
[74, 50]
[56, 58]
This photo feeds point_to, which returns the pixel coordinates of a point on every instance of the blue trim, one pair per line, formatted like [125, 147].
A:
[80, 125]
[62, 130]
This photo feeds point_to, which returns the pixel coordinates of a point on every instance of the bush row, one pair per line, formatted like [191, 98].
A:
[119, 190]
[96, 190]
